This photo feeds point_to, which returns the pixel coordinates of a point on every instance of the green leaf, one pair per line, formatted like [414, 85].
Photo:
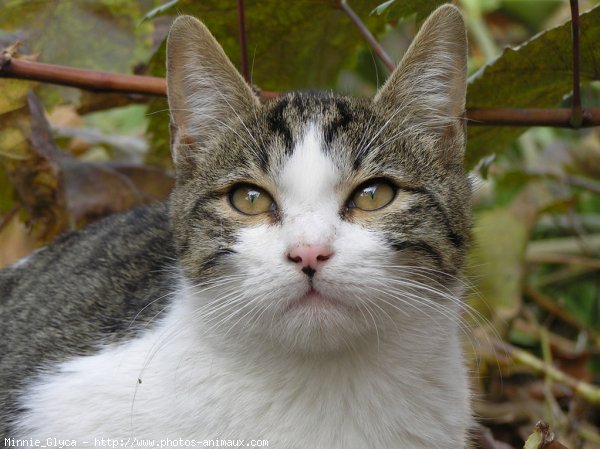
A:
[13, 94]
[400, 9]
[537, 74]
[496, 264]
[100, 35]
[301, 45]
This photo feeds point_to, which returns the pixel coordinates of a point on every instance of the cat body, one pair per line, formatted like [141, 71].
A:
[301, 286]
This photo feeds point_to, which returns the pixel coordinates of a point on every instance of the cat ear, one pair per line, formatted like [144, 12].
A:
[204, 89]
[426, 92]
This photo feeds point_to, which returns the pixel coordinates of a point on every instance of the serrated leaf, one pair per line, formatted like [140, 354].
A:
[537, 74]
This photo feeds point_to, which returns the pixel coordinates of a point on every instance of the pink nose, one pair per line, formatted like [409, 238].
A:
[310, 257]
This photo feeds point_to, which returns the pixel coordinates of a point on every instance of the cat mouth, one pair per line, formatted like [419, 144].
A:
[313, 298]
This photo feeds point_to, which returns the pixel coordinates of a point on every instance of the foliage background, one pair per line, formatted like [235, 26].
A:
[69, 157]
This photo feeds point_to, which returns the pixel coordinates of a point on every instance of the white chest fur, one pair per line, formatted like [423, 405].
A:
[409, 392]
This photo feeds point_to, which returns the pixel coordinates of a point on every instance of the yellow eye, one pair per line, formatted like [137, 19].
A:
[251, 200]
[373, 196]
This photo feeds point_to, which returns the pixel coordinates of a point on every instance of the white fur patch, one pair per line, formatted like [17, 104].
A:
[195, 388]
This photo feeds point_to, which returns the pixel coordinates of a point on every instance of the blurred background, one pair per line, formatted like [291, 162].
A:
[69, 157]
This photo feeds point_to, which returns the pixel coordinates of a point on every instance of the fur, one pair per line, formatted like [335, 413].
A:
[191, 320]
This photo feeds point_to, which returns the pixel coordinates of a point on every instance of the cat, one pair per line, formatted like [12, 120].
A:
[301, 287]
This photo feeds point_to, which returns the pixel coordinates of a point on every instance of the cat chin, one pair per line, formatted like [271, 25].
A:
[316, 326]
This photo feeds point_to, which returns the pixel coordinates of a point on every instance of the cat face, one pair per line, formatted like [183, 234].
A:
[316, 221]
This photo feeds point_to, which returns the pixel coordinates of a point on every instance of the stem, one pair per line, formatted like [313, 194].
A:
[565, 259]
[587, 391]
[576, 112]
[552, 307]
[377, 48]
[243, 43]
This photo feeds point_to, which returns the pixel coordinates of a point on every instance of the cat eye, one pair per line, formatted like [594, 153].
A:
[372, 196]
[251, 200]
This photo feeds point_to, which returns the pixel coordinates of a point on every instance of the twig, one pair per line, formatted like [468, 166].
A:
[377, 48]
[91, 80]
[583, 183]
[243, 42]
[576, 114]
[575, 181]
[565, 259]
[562, 345]
[571, 245]
[552, 408]
[566, 274]
[549, 305]
[83, 78]
[587, 391]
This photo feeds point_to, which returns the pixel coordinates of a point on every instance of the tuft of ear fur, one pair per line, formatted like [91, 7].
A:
[204, 89]
[426, 92]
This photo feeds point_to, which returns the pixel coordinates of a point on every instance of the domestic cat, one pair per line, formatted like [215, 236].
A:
[301, 286]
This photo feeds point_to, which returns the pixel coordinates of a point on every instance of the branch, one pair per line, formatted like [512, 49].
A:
[148, 85]
[91, 80]
[378, 49]
[587, 391]
[557, 117]
[552, 307]
[82, 78]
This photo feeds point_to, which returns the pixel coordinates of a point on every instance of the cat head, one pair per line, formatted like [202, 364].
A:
[318, 221]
